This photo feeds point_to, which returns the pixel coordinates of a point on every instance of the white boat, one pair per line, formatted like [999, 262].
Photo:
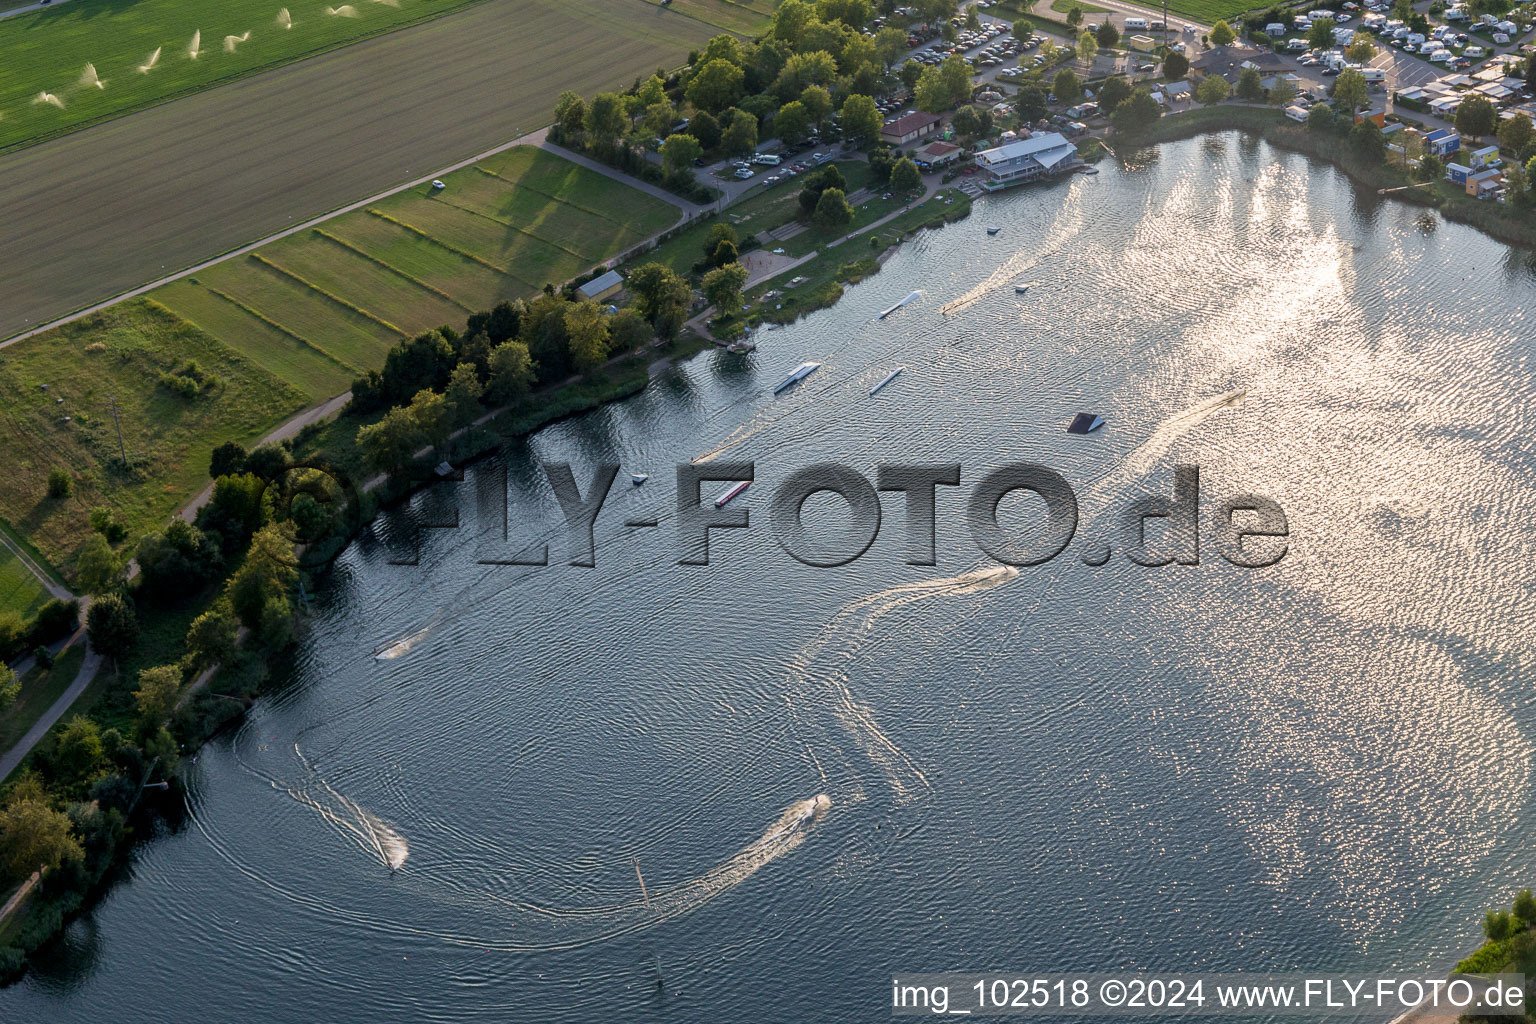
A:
[1020, 288]
[885, 380]
[910, 298]
[638, 478]
[802, 371]
[993, 231]
[736, 489]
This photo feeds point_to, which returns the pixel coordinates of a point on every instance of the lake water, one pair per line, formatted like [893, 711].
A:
[1324, 765]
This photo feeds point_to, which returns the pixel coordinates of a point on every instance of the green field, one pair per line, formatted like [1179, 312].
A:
[284, 328]
[185, 181]
[19, 590]
[319, 308]
[87, 60]
[118, 355]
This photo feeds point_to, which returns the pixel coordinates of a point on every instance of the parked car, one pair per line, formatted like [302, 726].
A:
[743, 173]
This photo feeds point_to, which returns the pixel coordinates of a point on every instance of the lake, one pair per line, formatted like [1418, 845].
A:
[1321, 765]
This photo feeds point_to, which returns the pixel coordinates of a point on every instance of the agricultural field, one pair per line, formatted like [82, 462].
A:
[98, 212]
[88, 60]
[284, 328]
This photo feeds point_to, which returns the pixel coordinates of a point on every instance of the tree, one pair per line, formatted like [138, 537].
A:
[803, 69]
[59, 483]
[211, 637]
[972, 18]
[175, 563]
[1107, 35]
[1351, 91]
[1249, 86]
[587, 335]
[1515, 179]
[98, 568]
[1114, 91]
[1030, 102]
[792, 124]
[571, 116]
[227, 460]
[79, 751]
[1320, 35]
[1321, 118]
[1067, 86]
[932, 96]
[606, 119]
[910, 74]
[1075, 16]
[32, 835]
[722, 287]
[462, 395]
[1525, 908]
[424, 361]
[105, 522]
[890, 44]
[956, 78]
[1282, 92]
[1516, 133]
[965, 123]
[662, 296]
[716, 87]
[628, 331]
[706, 129]
[1136, 113]
[1360, 49]
[1367, 141]
[817, 103]
[740, 135]
[860, 121]
[678, 154]
[791, 19]
[1212, 90]
[156, 695]
[10, 686]
[433, 416]
[1222, 34]
[268, 572]
[1175, 65]
[512, 373]
[1087, 46]
[1476, 116]
[832, 210]
[391, 442]
[905, 177]
[1497, 925]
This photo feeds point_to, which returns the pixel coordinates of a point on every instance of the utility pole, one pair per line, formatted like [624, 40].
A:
[121, 450]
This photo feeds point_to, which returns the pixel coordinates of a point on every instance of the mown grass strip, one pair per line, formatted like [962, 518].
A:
[252, 311]
[551, 196]
[343, 303]
[413, 229]
[354, 250]
[524, 231]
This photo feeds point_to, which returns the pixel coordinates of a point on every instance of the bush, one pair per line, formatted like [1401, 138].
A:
[54, 621]
[59, 483]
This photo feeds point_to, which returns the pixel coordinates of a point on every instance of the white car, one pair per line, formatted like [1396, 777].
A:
[743, 173]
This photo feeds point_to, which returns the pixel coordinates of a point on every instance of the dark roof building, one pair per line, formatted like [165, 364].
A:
[910, 128]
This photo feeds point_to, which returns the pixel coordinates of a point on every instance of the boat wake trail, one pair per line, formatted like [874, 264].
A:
[400, 648]
[820, 671]
[356, 823]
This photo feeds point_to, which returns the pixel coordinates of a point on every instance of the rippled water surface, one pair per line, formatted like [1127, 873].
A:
[1323, 765]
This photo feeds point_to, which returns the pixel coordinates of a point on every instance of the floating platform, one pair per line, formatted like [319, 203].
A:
[1085, 423]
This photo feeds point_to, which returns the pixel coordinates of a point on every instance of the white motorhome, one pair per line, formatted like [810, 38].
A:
[1135, 23]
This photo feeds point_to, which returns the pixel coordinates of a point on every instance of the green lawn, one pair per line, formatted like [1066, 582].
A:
[39, 689]
[19, 590]
[48, 51]
[1065, 7]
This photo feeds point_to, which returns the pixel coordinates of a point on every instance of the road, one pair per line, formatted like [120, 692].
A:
[11, 759]
[31, 7]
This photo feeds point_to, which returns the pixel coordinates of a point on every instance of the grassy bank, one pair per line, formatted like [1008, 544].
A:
[39, 689]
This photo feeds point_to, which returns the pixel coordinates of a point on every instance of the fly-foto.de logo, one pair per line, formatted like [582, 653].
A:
[1247, 530]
